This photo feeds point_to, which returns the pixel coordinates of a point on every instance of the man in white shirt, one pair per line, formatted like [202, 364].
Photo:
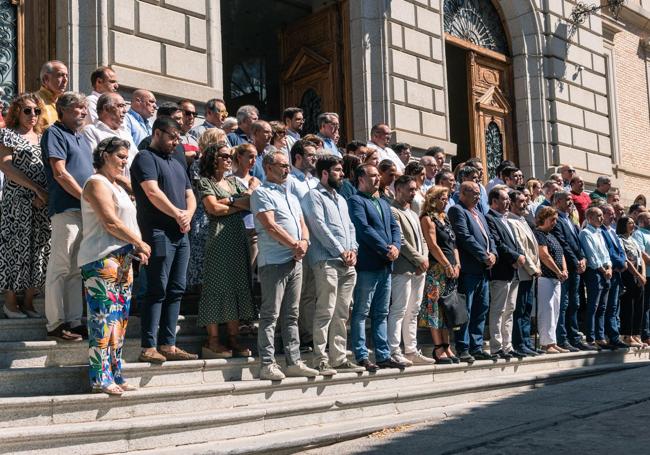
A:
[380, 135]
[110, 123]
[103, 80]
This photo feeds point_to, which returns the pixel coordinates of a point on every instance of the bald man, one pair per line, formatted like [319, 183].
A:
[143, 107]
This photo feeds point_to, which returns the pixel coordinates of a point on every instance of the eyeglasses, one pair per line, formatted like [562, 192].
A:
[174, 136]
[30, 110]
[223, 113]
[190, 113]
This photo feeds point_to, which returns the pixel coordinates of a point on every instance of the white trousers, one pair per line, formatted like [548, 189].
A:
[406, 295]
[548, 301]
[63, 288]
[334, 282]
[503, 300]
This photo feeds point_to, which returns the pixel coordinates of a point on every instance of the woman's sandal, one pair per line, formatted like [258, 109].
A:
[237, 349]
[112, 389]
[127, 387]
[452, 357]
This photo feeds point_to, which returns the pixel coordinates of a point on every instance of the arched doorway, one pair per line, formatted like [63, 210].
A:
[479, 78]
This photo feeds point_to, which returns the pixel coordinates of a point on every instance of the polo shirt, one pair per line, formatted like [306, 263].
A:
[287, 213]
[49, 103]
[62, 143]
[238, 137]
[95, 133]
[150, 164]
[92, 105]
[299, 184]
[330, 145]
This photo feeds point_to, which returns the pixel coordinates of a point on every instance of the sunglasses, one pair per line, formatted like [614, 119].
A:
[30, 110]
[225, 156]
[190, 113]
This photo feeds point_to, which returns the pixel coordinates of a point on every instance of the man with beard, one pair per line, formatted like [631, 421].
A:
[530, 269]
[111, 110]
[67, 167]
[294, 120]
[332, 256]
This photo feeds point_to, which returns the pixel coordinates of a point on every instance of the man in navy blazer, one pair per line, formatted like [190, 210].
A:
[567, 235]
[378, 236]
[504, 281]
[478, 255]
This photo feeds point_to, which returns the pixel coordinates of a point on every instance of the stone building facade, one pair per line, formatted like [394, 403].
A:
[489, 78]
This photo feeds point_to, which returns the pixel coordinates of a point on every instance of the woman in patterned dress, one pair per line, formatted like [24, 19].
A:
[444, 268]
[24, 224]
[111, 239]
[226, 296]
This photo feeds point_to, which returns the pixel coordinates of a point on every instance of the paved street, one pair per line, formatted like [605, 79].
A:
[607, 414]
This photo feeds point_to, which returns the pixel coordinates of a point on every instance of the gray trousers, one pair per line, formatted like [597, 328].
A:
[307, 304]
[280, 285]
[334, 285]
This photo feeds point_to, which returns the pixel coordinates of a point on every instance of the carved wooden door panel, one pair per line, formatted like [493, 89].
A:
[313, 51]
[490, 110]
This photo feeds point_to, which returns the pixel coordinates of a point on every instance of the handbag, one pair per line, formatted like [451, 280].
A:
[454, 308]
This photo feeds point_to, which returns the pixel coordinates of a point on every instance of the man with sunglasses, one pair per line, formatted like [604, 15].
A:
[166, 203]
[215, 114]
[103, 80]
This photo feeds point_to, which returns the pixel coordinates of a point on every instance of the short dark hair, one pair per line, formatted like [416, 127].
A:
[109, 145]
[350, 163]
[494, 193]
[385, 165]
[514, 194]
[167, 108]
[507, 171]
[400, 147]
[211, 104]
[440, 175]
[298, 148]
[413, 168]
[473, 162]
[360, 172]
[99, 73]
[163, 123]
[289, 113]
[465, 171]
[326, 163]
[354, 146]
[621, 225]
[502, 165]
[433, 151]
[403, 180]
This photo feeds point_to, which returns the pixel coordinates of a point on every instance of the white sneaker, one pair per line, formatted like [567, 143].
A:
[271, 372]
[299, 369]
[399, 358]
[417, 358]
[13, 314]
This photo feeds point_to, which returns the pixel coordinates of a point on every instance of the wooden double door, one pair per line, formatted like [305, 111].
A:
[315, 59]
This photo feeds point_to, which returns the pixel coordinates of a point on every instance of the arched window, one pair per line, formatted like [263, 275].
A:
[476, 21]
[311, 106]
[493, 148]
[8, 81]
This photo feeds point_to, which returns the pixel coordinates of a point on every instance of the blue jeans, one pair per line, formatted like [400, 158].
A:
[523, 310]
[477, 297]
[371, 297]
[569, 305]
[166, 274]
[611, 312]
[597, 291]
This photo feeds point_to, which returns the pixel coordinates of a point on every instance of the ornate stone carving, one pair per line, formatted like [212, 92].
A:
[476, 21]
[8, 56]
[493, 148]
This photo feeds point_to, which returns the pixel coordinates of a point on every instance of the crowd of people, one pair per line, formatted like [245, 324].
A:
[334, 236]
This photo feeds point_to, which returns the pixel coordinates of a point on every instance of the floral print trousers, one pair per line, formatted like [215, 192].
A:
[107, 285]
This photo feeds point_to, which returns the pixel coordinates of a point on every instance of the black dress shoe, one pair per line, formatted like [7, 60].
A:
[391, 363]
[539, 351]
[517, 354]
[529, 352]
[502, 355]
[81, 330]
[568, 347]
[585, 347]
[618, 344]
[465, 356]
[482, 355]
[368, 365]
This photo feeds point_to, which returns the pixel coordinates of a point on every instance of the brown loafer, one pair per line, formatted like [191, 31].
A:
[178, 354]
[152, 357]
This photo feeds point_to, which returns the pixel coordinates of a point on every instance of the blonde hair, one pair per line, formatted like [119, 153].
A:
[433, 194]
[211, 136]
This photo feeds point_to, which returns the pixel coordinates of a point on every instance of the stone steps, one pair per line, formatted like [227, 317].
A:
[259, 408]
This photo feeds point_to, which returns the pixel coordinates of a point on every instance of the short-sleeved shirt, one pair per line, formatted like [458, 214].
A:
[62, 143]
[287, 212]
[172, 180]
[548, 240]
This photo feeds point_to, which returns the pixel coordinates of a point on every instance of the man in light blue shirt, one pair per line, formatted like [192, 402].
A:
[328, 126]
[332, 256]
[283, 240]
[143, 107]
[642, 237]
[303, 163]
[597, 276]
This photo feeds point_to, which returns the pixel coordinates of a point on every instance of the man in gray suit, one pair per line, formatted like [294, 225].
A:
[408, 277]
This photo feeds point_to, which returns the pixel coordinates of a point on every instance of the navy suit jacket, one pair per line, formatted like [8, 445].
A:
[470, 241]
[568, 238]
[507, 247]
[615, 248]
[374, 233]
